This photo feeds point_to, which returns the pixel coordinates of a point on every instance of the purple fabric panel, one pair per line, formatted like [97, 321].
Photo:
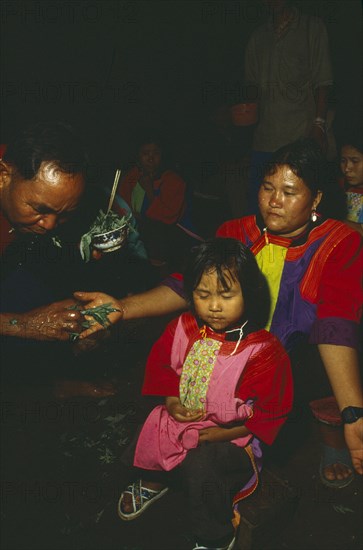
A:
[177, 285]
[293, 316]
[257, 452]
[336, 331]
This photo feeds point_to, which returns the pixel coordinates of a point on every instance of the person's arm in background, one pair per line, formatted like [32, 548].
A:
[319, 128]
[321, 78]
[51, 322]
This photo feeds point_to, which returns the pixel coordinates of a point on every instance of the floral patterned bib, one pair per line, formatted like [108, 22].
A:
[197, 371]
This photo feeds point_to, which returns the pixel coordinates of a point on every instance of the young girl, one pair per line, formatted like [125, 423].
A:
[228, 386]
[351, 164]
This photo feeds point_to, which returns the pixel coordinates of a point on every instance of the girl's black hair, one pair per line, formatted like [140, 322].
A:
[230, 259]
[47, 141]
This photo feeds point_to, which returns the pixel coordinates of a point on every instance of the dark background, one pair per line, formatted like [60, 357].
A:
[111, 67]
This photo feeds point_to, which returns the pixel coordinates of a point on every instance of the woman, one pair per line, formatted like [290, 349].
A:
[314, 270]
[351, 165]
[157, 198]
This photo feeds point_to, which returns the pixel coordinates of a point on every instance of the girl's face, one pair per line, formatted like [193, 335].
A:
[217, 307]
[351, 164]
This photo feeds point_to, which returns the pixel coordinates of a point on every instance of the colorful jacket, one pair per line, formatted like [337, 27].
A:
[315, 280]
[248, 381]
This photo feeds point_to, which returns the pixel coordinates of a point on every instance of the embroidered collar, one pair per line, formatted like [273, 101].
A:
[298, 240]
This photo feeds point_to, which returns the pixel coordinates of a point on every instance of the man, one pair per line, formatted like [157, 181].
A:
[287, 62]
[42, 179]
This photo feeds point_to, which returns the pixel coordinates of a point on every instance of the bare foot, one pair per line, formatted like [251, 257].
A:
[336, 471]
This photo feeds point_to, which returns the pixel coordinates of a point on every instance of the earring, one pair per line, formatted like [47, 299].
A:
[314, 215]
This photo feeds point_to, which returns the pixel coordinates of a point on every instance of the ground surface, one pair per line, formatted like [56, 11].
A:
[62, 476]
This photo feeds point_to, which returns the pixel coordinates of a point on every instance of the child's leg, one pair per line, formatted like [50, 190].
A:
[213, 474]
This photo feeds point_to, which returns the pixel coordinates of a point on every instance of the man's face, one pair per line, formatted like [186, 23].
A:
[40, 204]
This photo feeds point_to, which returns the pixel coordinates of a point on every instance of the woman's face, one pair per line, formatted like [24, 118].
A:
[351, 164]
[286, 202]
[150, 157]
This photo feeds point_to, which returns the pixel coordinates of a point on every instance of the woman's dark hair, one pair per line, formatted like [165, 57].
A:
[354, 138]
[47, 141]
[232, 258]
[305, 159]
[150, 137]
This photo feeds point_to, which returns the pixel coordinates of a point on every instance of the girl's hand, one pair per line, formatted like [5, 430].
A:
[181, 413]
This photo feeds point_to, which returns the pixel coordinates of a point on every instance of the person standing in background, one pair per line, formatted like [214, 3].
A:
[287, 61]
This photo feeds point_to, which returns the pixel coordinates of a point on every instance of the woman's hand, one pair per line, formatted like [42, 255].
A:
[181, 413]
[214, 434]
[219, 433]
[353, 434]
[92, 300]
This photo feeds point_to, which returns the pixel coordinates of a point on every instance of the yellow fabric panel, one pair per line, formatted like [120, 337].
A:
[271, 261]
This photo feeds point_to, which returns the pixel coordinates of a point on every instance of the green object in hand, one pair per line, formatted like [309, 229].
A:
[99, 313]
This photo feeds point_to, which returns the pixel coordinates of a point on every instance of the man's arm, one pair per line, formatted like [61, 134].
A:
[158, 301]
[341, 365]
[319, 127]
[51, 322]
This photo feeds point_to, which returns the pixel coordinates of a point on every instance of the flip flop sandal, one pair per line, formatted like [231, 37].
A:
[332, 456]
[141, 499]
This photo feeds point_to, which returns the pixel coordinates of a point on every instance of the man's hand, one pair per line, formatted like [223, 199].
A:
[181, 413]
[51, 322]
[319, 136]
[354, 439]
[92, 300]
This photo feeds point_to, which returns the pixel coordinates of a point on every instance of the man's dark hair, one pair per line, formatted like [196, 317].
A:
[231, 260]
[47, 141]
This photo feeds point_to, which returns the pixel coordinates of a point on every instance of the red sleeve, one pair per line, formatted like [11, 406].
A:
[340, 291]
[160, 378]
[168, 206]
[232, 229]
[267, 380]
